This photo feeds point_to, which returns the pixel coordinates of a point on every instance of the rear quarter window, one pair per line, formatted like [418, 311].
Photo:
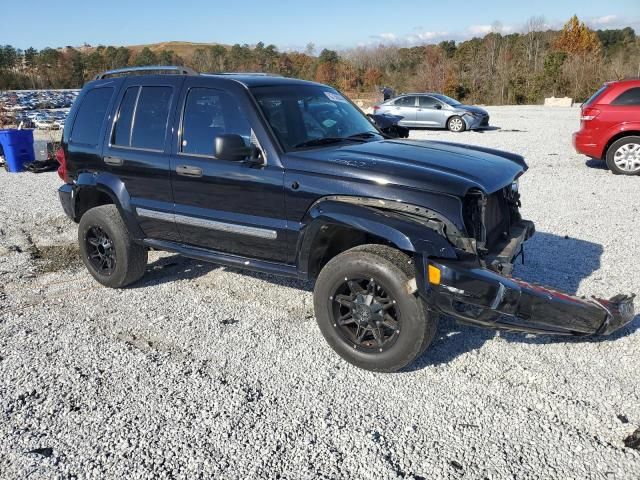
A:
[628, 97]
[90, 117]
[595, 96]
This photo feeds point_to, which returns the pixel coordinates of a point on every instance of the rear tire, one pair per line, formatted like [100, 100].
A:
[623, 156]
[383, 328]
[456, 124]
[107, 250]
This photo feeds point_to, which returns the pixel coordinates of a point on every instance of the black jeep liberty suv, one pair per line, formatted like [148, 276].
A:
[288, 177]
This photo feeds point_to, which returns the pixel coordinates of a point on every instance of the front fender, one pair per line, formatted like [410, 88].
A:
[397, 228]
[114, 187]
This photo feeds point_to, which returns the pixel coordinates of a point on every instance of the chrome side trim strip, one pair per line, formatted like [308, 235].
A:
[211, 224]
[143, 212]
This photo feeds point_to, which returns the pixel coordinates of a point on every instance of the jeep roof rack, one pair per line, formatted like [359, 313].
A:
[150, 69]
[246, 74]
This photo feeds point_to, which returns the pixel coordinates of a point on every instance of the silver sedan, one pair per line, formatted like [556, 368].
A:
[433, 110]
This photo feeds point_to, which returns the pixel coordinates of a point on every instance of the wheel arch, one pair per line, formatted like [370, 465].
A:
[459, 115]
[627, 132]
[93, 190]
[335, 224]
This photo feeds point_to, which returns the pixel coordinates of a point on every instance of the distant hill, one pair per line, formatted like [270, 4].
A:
[183, 49]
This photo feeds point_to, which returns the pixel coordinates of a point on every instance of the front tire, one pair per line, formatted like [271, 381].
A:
[623, 156]
[365, 311]
[107, 250]
[456, 124]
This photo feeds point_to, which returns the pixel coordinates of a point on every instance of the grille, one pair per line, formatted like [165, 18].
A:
[496, 217]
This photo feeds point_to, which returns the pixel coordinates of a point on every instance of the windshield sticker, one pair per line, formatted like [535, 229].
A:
[335, 97]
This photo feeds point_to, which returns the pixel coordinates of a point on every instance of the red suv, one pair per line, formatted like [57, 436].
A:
[610, 127]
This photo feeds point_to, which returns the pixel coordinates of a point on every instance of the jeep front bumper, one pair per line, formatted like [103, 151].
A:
[486, 298]
[489, 297]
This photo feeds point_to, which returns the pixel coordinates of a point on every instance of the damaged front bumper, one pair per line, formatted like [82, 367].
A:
[487, 296]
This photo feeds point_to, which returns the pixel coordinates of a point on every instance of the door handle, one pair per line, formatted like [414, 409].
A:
[115, 161]
[188, 171]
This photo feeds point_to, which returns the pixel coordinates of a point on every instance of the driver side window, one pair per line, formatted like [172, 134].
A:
[207, 114]
[428, 102]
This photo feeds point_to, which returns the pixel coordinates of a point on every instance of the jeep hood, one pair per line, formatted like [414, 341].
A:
[426, 165]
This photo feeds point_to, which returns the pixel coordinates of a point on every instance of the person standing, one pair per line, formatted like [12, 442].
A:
[387, 93]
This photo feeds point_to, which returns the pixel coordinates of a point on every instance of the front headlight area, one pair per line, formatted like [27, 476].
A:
[515, 186]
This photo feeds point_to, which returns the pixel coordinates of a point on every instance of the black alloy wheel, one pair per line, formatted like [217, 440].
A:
[365, 315]
[367, 311]
[100, 251]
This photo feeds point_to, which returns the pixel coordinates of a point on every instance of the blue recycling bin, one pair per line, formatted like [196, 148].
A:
[17, 147]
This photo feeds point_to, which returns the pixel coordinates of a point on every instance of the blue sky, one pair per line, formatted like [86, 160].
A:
[290, 25]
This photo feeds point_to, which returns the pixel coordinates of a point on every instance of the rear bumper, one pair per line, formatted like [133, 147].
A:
[587, 145]
[66, 195]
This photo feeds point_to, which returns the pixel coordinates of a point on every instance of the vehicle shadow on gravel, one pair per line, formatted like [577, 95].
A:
[558, 262]
[596, 164]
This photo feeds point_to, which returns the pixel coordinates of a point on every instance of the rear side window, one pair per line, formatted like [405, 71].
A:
[142, 118]
[91, 113]
[628, 97]
[406, 101]
[122, 130]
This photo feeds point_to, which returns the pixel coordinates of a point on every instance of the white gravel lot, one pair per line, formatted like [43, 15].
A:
[200, 371]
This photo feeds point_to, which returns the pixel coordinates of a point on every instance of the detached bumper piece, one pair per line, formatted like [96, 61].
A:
[486, 298]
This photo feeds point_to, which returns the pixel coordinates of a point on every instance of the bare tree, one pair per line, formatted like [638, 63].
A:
[533, 33]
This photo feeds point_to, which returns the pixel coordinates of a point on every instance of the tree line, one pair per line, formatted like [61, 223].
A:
[516, 68]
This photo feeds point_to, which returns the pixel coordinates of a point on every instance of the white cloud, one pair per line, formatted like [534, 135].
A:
[605, 20]
[417, 37]
[484, 29]
[613, 22]
[387, 36]
[479, 29]
[424, 36]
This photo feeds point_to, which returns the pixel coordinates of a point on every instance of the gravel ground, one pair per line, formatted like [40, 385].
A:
[200, 371]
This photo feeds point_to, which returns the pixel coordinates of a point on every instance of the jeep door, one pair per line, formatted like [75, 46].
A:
[137, 150]
[406, 108]
[430, 112]
[228, 206]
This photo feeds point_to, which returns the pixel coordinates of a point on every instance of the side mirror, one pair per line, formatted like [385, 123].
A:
[438, 106]
[230, 146]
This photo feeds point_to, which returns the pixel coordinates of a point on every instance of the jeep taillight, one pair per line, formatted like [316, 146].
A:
[62, 160]
[589, 114]
[376, 108]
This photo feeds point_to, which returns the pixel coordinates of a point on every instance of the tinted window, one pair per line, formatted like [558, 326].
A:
[122, 130]
[311, 116]
[447, 100]
[91, 113]
[207, 114]
[593, 97]
[629, 97]
[428, 102]
[406, 101]
[150, 122]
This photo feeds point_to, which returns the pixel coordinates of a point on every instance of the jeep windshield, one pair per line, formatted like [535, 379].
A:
[310, 116]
